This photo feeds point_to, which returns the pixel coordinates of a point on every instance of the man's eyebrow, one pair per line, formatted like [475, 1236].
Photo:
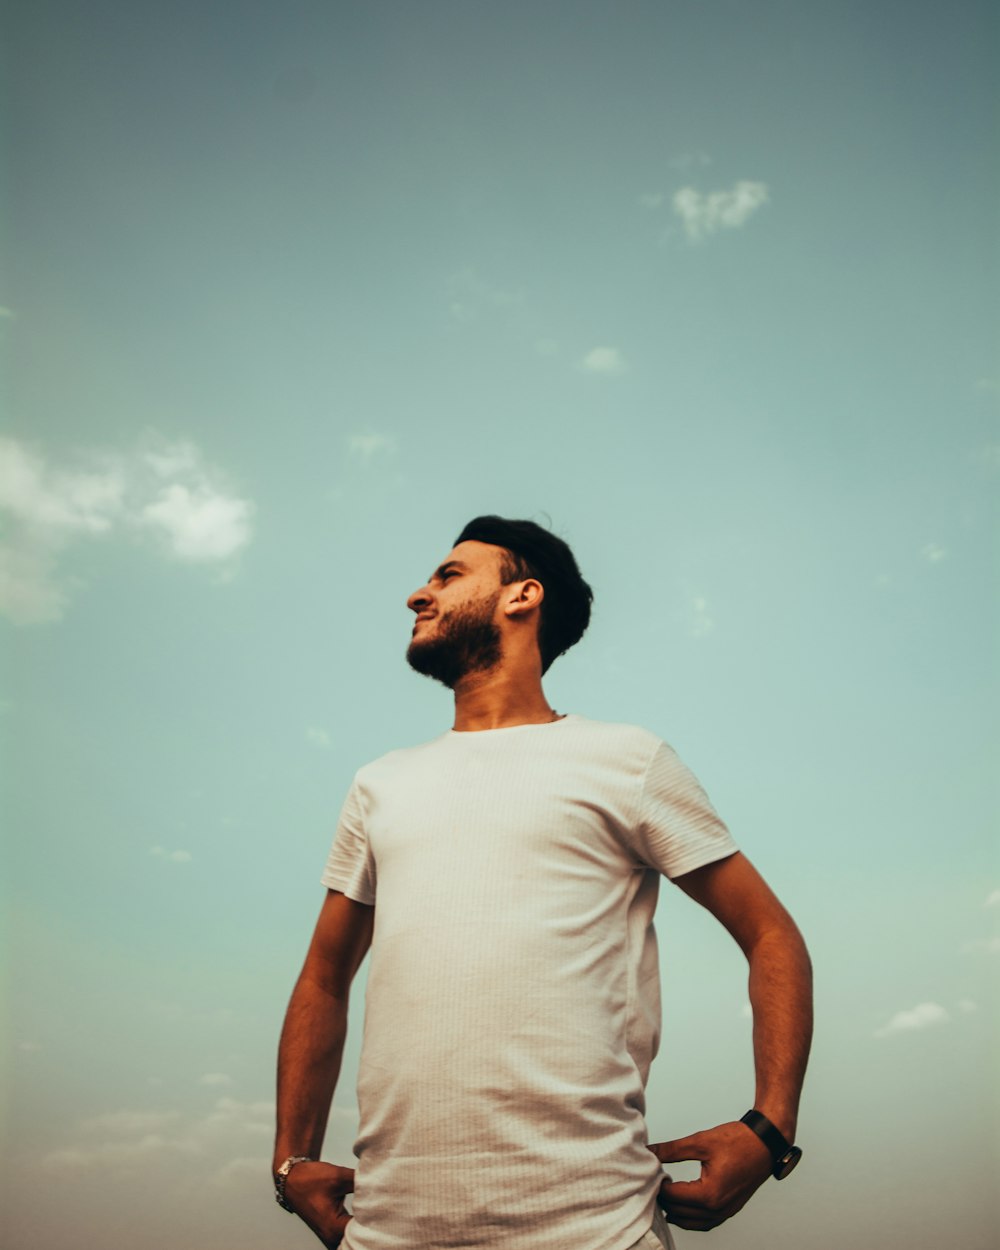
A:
[449, 564]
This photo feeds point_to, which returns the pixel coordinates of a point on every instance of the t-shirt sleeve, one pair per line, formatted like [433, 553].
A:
[350, 867]
[678, 828]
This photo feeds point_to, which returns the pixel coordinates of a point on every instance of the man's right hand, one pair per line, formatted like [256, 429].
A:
[315, 1192]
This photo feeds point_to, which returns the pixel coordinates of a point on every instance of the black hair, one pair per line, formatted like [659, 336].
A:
[531, 551]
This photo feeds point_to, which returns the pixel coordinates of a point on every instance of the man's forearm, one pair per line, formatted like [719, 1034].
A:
[309, 1055]
[781, 998]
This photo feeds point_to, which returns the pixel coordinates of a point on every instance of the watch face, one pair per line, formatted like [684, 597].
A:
[787, 1162]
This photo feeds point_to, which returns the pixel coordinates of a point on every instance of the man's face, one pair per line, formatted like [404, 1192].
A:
[456, 630]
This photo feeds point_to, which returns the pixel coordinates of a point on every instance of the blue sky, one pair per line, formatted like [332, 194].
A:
[288, 297]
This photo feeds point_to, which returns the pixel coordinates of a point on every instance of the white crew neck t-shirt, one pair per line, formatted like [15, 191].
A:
[513, 1000]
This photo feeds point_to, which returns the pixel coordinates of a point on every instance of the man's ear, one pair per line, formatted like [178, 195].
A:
[527, 597]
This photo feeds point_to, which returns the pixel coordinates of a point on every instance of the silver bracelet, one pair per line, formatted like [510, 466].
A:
[282, 1175]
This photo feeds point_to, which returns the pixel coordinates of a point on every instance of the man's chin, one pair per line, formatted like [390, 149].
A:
[414, 652]
[431, 661]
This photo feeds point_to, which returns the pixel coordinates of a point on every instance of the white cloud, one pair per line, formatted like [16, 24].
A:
[652, 199]
[167, 490]
[703, 215]
[990, 945]
[215, 1078]
[122, 1140]
[469, 294]
[702, 622]
[159, 1157]
[110, 1154]
[173, 857]
[129, 1123]
[934, 553]
[319, 737]
[367, 446]
[967, 1006]
[58, 503]
[690, 160]
[174, 459]
[242, 1168]
[199, 523]
[923, 1016]
[606, 360]
[992, 899]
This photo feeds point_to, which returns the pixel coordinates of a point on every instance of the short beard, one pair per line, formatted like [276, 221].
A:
[467, 642]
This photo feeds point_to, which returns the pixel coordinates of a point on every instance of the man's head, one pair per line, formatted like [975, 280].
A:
[501, 579]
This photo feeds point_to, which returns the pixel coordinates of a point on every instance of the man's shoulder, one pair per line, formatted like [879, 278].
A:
[401, 758]
[621, 730]
[628, 745]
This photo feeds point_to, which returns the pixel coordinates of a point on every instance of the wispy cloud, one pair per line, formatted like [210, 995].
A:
[215, 1079]
[992, 899]
[934, 553]
[171, 857]
[123, 1141]
[702, 621]
[166, 491]
[923, 1016]
[683, 162]
[469, 295]
[605, 360]
[366, 446]
[690, 160]
[129, 1123]
[704, 215]
[319, 737]
[244, 1168]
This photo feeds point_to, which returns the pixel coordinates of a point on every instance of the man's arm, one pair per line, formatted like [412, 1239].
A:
[309, 1056]
[734, 1161]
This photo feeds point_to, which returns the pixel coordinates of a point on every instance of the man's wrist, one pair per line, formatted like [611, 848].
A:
[280, 1176]
[784, 1155]
[782, 1114]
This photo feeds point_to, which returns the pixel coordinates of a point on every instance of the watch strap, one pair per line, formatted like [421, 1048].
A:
[783, 1153]
[772, 1137]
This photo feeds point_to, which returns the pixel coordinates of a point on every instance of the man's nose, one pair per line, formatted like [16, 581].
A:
[419, 599]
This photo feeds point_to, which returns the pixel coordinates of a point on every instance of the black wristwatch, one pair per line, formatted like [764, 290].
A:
[784, 1154]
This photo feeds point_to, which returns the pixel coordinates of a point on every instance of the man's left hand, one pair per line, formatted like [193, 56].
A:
[734, 1163]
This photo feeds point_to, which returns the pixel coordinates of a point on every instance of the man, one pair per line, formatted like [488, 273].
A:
[505, 876]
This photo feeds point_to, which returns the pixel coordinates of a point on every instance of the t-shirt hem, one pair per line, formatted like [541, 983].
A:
[352, 891]
[636, 1230]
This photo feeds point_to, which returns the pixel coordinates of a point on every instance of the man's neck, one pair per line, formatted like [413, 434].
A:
[498, 700]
